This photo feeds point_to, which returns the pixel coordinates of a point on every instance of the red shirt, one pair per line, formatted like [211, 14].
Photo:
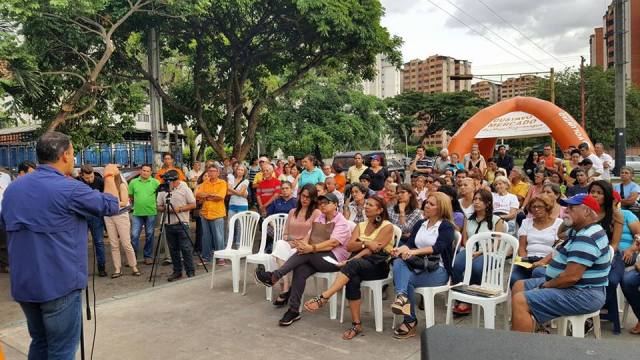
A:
[267, 188]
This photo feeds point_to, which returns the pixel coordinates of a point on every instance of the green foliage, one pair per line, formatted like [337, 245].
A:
[327, 113]
[599, 99]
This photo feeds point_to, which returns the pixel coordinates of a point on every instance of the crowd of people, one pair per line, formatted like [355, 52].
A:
[565, 213]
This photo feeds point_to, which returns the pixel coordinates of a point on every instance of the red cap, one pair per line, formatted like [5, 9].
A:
[582, 199]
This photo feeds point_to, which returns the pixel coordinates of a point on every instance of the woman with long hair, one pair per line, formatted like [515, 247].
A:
[476, 161]
[612, 222]
[505, 204]
[406, 212]
[481, 220]
[425, 260]
[119, 231]
[370, 245]
[238, 192]
[458, 215]
[538, 182]
[298, 225]
[531, 164]
[553, 190]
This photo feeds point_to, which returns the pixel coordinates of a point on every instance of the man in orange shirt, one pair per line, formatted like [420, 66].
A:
[212, 193]
[169, 162]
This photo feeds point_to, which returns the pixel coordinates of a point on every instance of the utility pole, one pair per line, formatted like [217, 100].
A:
[552, 98]
[582, 104]
[158, 126]
[621, 84]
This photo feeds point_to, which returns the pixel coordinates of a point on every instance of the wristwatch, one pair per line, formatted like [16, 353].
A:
[363, 245]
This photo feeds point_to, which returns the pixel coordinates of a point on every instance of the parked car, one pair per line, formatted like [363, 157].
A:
[634, 162]
[345, 160]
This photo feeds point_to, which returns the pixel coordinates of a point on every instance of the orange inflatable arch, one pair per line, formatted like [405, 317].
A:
[564, 128]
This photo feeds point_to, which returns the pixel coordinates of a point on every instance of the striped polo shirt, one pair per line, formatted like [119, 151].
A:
[589, 247]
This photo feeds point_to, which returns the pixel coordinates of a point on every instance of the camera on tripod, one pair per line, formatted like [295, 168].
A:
[168, 177]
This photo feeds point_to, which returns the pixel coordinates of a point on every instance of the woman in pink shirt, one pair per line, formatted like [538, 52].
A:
[297, 227]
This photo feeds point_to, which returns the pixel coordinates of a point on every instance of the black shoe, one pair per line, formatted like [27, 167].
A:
[264, 277]
[285, 299]
[101, 271]
[190, 275]
[289, 318]
[174, 277]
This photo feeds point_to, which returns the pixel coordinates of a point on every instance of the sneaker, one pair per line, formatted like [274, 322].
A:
[289, 318]
[190, 275]
[148, 261]
[264, 277]
[101, 271]
[221, 262]
[174, 277]
[166, 262]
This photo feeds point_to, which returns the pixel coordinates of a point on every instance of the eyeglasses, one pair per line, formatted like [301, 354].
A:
[537, 207]
[429, 181]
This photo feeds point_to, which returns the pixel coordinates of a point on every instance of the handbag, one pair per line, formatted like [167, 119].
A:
[421, 263]
[320, 232]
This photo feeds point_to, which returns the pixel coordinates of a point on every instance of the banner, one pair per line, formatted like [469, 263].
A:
[516, 124]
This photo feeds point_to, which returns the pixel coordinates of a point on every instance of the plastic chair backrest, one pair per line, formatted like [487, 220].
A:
[397, 234]
[248, 225]
[495, 247]
[277, 223]
[456, 246]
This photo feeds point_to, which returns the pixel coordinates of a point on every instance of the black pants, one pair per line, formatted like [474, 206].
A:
[198, 243]
[372, 267]
[179, 244]
[4, 249]
[304, 266]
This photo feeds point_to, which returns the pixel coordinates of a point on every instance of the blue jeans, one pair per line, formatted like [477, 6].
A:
[405, 282]
[54, 327]
[520, 273]
[631, 289]
[459, 266]
[234, 209]
[96, 227]
[615, 277]
[136, 228]
[212, 237]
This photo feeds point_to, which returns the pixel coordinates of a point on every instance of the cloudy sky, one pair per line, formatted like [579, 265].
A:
[560, 30]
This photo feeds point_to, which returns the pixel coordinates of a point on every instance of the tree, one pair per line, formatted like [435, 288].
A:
[599, 99]
[64, 46]
[440, 111]
[327, 113]
[245, 54]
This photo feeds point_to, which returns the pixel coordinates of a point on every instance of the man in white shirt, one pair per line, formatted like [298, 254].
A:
[194, 174]
[607, 161]
[597, 169]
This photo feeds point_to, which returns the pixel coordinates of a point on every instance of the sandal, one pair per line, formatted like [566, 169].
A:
[635, 330]
[401, 306]
[282, 299]
[116, 275]
[399, 333]
[136, 273]
[353, 331]
[315, 303]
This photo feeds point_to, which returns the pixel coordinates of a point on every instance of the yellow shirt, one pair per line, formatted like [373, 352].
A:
[213, 209]
[520, 190]
[374, 234]
[353, 174]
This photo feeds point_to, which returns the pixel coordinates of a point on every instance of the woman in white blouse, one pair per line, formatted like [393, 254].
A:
[505, 204]
[537, 236]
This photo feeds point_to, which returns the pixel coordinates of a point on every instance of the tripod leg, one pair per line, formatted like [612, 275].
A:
[155, 255]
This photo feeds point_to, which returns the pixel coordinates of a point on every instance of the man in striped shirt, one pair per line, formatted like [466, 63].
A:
[576, 275]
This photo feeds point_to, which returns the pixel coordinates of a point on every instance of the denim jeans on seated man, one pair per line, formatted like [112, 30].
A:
[137, 222]
[212, 237]
[180, 248]
[520, 273]
[54, 327]
[405, 281]
[460, 264]
[96, 227]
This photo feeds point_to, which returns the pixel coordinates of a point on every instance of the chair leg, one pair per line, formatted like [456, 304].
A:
[342, 307]
[507, 314]
[597, 330]
[244, 286]
[449, 316]
[625, 313]
[269, 291]
[577, 330]
[562, 326]
[213, 272]
[475, 315]
[235, 274]
[377, 306]
[429, 309]
[489, 316]
[333, 303]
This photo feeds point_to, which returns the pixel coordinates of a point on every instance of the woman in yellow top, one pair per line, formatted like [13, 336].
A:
[371, 242]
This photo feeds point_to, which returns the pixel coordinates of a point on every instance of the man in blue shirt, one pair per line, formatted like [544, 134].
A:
[576, 275]
[45, 216]
[311, 174]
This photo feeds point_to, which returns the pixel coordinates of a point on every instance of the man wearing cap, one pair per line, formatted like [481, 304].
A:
[576, 274]
[310, 173]
[597, 169]
[581, 185]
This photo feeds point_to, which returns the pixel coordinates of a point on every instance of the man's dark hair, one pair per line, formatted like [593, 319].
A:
[146, 165]
[170, 154]
[420, 147]
[86, 169]
[356, 154]
[462, 171]
[502, 146]
[583, 145]
[172, 174]
[311, 158]
[26, 165]
[575, 151]
[51, 146]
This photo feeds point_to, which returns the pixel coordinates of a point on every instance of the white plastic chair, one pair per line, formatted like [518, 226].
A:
[429, 293]
[374, 288]
[495, 248]
[577, 321]
[277, 222]
[248, 225]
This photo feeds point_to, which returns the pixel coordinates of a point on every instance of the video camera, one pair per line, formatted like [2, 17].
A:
[167, 178]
